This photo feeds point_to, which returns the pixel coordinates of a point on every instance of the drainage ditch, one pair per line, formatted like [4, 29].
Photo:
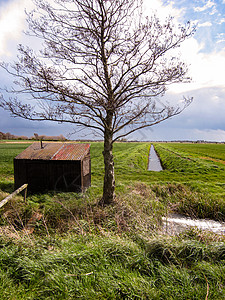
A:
[154, 163]
[174, 224]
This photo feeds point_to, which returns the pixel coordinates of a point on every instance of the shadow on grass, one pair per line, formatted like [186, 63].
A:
[7, 187]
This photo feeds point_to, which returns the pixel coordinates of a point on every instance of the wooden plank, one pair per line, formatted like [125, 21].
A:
[4, 201]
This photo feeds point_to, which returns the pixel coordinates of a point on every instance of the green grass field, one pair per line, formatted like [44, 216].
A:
[66, 246]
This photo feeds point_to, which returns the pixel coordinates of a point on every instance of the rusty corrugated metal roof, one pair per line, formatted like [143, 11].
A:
[71, 152]
[55, 151]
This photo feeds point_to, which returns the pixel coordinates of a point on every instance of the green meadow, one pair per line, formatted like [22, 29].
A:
[67, 246]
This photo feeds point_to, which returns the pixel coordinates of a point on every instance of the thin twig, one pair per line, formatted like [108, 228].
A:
[207, 293]
[82, 231]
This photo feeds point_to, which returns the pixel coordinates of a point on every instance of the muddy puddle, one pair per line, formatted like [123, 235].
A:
[154, 163]
[175, 224]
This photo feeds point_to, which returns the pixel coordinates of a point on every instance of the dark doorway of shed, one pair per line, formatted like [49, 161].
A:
[68, 183]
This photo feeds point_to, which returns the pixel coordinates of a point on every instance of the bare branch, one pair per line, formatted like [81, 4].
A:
[102, 66]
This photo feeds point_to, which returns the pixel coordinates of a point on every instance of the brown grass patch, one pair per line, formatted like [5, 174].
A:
[213, 159]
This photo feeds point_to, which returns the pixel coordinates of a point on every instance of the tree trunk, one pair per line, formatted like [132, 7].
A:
[109, 180]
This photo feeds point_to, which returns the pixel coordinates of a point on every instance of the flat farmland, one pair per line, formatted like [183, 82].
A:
[201, 166]
[67, 246]
[192, 182]
[193, 161]
[210, 151]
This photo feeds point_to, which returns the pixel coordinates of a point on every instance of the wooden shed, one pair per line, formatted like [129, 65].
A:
[54, 166]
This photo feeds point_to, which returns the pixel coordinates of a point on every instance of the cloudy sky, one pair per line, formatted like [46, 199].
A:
[204, 119]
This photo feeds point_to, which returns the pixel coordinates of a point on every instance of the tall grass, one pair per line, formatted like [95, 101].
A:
[67, 246]
[111, 267]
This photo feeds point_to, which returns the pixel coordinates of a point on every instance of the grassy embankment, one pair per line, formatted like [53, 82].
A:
[64, 246]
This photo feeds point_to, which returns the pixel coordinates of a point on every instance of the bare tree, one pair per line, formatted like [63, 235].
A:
[103, 65]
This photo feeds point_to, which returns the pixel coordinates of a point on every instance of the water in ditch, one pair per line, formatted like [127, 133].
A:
[174, 224]
[154, 163]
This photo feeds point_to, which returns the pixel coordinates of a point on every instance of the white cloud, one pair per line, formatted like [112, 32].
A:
[222, 20]
[12, 23]
[216, 135]
[220, 38]
[206, 69]
[164, 132]
[163, 11]
[214, 11]
[202, 120]
[209, 69]
[205, 24]
[220, 35]
[220, 41]
[209, 4]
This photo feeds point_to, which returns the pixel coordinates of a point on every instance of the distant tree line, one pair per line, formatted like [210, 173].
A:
[9, 136]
